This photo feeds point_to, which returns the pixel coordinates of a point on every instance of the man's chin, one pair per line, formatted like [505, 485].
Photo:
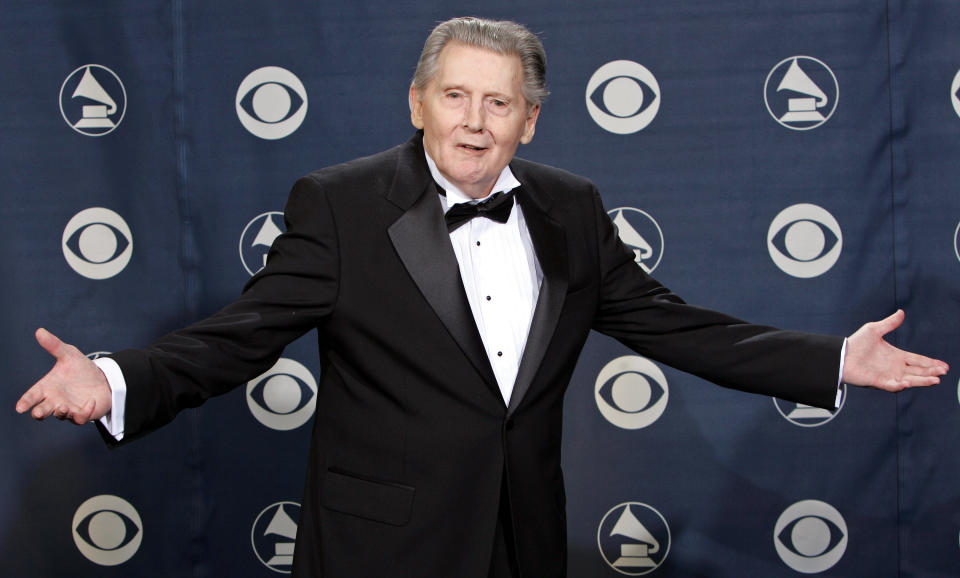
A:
[474, 183]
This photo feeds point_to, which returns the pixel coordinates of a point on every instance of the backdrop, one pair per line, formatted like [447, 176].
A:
[792, 163]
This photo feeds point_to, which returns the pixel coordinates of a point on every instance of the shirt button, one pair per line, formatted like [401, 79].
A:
[478, 243]
[499, 354]
[489, 298]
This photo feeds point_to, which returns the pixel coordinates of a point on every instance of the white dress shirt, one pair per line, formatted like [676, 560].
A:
[500, 274]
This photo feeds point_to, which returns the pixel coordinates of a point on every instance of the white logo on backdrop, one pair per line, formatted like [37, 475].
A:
[804, 240]
[955, 93]
[623, 97]
[807, 415]
[274, 534]
[641, 232]
[97, 243]
[634, 538]
[631, 392]
[956, 242]
[810, 536]
[93, 100]
[284, 397]
[271, 102]
[257, 238]
[107, 530]
[801, 92]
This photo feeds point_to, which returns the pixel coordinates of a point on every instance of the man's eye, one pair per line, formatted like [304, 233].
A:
[497, 106]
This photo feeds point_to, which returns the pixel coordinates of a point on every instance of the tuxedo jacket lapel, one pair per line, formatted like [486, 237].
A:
[421, 240]
[550, 245]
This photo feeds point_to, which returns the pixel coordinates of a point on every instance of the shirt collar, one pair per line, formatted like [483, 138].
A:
[506, 182]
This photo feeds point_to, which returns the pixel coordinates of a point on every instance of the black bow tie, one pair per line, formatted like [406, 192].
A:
[497, 208]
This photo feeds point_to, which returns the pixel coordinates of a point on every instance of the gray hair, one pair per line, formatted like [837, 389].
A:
[502, 37]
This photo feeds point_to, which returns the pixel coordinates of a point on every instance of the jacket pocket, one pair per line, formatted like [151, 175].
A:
[368, 498]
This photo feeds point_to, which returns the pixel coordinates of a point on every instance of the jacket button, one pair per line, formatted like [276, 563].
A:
[509, 424]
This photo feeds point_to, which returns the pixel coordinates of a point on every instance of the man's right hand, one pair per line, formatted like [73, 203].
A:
[75, 389]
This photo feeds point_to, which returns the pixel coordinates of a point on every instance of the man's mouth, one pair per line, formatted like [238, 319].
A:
[470, 147]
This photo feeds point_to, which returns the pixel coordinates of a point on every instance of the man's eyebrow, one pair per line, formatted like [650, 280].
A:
[458, 86]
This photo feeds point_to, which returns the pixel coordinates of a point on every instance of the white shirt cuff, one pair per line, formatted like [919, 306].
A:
[113, 421]
[843, 358]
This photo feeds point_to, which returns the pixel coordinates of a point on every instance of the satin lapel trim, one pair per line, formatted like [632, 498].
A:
[550, 244]
[421, 240]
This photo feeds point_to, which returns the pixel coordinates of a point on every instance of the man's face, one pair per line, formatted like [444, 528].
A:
[473, 115]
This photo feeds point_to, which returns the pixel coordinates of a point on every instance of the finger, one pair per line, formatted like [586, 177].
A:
[29, 399]
[919, 380]
[907, 380]
[925, 370]
[83, 416]
[50, 342]
[42, 410]
[892, 322]
[61, 412]
[923, 362]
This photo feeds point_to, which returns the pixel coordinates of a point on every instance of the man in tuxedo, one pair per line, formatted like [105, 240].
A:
[448, 332]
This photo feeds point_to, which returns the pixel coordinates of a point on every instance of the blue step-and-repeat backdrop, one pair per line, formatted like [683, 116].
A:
[794, 163]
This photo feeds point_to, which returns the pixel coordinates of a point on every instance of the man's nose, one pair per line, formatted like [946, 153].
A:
[473, 116]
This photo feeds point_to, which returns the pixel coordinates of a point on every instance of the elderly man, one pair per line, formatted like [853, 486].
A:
[447, 341]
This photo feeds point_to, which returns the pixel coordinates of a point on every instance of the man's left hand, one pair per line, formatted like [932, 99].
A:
[872, 362]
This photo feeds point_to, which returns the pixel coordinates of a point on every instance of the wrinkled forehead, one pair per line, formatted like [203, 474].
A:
[475, 67]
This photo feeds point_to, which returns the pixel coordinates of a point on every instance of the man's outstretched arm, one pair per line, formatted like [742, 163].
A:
[74, 389]
[872, 362]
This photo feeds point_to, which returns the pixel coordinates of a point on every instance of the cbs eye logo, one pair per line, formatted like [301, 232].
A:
[97, 243]
[631, 392]
[257, 238]
[623, 97]
[271, 102]
[284, 397]
[107, 530]
[955, 93]
[810, 536]
[804, 241]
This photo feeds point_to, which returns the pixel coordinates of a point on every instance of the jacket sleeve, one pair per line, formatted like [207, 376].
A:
[295, 292]
[648, 318]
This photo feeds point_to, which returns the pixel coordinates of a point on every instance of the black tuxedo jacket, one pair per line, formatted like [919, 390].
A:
[412, 441]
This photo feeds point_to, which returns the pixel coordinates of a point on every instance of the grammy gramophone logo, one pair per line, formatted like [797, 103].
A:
[93, 101]
[257, 238]
[274, 535]
[639, 231]
[801, 92]
[634, 538]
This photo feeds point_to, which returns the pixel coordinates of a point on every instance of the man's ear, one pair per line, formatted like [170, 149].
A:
[416, 108]
[531, 124]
